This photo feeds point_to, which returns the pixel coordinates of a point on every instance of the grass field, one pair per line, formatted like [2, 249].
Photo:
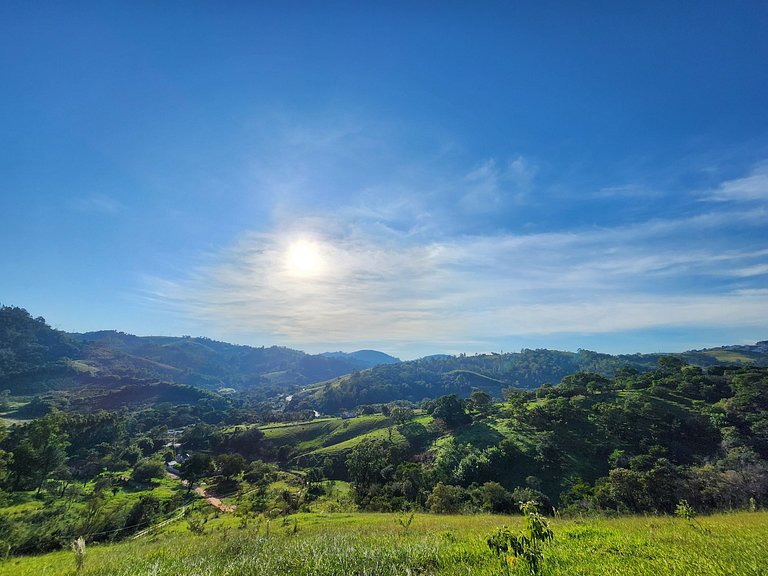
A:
[329, 436]
[375, 544]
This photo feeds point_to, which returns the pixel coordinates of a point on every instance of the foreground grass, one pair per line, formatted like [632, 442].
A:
[375, 544]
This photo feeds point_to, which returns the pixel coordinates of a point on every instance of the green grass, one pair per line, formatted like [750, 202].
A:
[81, 366]
[305, 436]
[728, 356]
[374, 544]
[329, 435]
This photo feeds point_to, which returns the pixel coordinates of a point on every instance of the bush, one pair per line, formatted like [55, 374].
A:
[147, 470]
[446, 499]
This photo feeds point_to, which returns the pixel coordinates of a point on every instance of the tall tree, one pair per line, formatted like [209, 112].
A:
[39, 450]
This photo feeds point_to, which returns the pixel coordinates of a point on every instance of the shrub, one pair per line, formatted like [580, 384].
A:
[445, 499]
[147, 470]
[528, 545]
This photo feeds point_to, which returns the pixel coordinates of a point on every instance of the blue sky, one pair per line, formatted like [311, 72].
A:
[412, 177]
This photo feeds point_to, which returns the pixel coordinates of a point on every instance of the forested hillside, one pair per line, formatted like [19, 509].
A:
[431, 377]
[35, 359]
[99, 416]
[639, 442]
[30, 351]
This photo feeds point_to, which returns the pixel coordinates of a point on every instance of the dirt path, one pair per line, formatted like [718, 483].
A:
[212, 500]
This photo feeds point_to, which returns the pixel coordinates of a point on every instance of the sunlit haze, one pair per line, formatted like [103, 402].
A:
[304, 258]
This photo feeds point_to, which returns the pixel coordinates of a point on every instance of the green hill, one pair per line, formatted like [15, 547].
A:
[211, 364]
[435, 376]
[641, 442]
[36, 359]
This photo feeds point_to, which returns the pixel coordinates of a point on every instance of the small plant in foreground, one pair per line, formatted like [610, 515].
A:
[78, 547]
[405, 522]
[527, 545]
[685, 511]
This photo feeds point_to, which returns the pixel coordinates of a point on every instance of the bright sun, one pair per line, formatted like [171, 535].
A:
[304, 258]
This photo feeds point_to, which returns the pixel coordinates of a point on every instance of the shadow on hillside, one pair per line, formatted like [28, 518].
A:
[480, 435]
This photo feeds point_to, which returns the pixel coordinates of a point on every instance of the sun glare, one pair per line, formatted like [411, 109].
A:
[304, 258]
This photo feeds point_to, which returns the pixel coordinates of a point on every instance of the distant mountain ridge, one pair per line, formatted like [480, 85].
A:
[363, 359]
[213, 364]
[35, 358]
[438, 375]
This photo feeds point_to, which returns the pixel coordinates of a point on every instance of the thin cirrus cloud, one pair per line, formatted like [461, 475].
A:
[753, 187]
[491, 187]
[395, 285]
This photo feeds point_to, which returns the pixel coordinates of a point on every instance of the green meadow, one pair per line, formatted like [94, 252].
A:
[377, 544]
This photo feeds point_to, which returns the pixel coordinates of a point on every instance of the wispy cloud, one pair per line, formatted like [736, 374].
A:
[753, 187]
[377, 284]
[627, 191]
[415, 249]
[490, 186]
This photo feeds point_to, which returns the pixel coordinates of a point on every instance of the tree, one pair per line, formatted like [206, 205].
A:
[450, 409]
[400, 414]
[481, 401]
[474, 467]
[196, 467]
[365, 463]
[260, 473]
[142, 513]
[246, 442]
[39, 450]
[131, 454]
[198, 437]
[230, 465]
[147, 470]
[5, 459]
[671, 364]
[622, 490]
[492, 497]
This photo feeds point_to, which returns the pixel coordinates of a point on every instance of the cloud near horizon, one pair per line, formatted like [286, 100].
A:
[377, 283]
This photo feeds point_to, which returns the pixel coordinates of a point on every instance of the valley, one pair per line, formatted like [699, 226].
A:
[97, 423]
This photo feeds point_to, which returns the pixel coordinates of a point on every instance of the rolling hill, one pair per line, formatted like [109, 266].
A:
[34, 358]
[435, 376]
